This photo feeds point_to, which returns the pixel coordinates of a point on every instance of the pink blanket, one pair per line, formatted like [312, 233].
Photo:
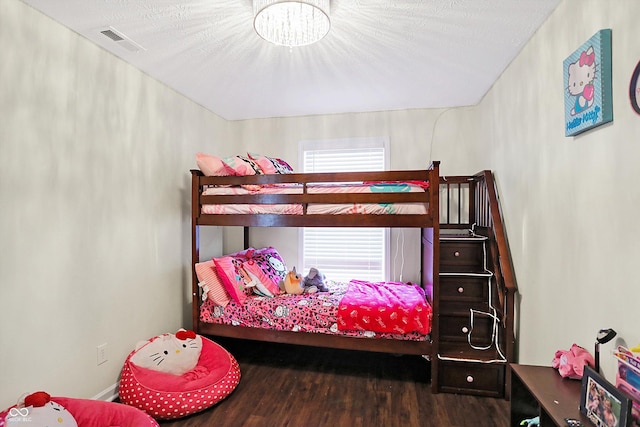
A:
[384, 307]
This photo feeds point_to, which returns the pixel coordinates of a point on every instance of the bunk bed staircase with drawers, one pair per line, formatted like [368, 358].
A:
[474, 299]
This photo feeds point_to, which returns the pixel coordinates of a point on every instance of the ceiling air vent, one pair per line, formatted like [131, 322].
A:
[112, 35]
[121, 40]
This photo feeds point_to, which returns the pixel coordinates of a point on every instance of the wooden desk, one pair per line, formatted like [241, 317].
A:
[541, 391]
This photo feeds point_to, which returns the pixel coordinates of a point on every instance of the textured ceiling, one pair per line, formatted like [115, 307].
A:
[379, 55]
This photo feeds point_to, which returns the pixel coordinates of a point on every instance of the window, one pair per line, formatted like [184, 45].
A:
[343, 253]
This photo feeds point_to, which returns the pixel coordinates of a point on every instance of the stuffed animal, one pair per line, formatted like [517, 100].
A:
[38, 409]
[174, 354]
[292, 283]
[570, 363]
[316, 280]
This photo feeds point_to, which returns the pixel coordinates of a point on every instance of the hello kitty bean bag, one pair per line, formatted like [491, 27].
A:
[175, 375]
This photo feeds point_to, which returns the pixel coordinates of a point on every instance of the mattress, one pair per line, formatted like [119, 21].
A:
[310, 313]
[317, 209]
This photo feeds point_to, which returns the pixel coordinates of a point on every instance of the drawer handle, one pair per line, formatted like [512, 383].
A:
[465, 329]
[460, 290]
[456, 253]
[469, 379]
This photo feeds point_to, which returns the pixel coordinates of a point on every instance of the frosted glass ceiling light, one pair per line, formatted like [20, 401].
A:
[291, 23]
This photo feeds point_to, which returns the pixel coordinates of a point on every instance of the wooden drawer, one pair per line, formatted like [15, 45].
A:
[463, 292]
[456, 328]
[486, 379]
[461, 256]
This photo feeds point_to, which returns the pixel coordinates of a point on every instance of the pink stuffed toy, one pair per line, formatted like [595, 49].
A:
[570, 364]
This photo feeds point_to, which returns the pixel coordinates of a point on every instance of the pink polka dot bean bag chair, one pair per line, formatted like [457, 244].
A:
[175, 375]
[40, 409]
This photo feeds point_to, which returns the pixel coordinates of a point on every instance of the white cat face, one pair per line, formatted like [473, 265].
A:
[277, 264]
[581, 73]
[169, 353]
[51, 414]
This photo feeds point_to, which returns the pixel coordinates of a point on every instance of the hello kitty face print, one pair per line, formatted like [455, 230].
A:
[281, 311]
[278, 265]
[174, 354]
[582, 73]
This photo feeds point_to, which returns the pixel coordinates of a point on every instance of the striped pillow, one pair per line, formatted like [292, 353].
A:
[231, 277]
[217, 293]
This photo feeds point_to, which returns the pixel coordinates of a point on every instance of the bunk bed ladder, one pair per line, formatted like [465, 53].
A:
[477, 279]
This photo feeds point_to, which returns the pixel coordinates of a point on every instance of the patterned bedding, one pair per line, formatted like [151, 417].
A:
[333, 209]
[315, 313]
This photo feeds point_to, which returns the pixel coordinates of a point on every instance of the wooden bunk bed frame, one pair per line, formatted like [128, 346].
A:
[429, 220]
[460, 202]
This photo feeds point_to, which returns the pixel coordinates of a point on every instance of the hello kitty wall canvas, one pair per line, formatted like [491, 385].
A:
[587, 85]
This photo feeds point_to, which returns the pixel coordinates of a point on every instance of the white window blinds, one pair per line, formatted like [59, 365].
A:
[342, 253]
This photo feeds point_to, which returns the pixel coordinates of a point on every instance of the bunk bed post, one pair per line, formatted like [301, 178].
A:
[195, 247]
[434, 210]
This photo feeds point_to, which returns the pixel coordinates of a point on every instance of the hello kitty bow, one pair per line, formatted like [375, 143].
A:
[587, 58]
[184, 335]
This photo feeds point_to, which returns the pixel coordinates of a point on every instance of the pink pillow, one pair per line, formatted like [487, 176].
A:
[231, 278]
[97, 413]
[251, 267]
[264, 163]
[216, 291]
[270, 262]
[213, 165]
[271, 165]
[242, 166]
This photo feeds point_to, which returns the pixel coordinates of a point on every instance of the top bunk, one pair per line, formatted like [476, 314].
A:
[407, 198]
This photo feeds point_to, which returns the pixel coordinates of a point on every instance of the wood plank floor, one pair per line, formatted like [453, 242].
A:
[286, 385]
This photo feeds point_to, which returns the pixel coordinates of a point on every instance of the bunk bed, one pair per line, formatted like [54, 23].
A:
[238, 201]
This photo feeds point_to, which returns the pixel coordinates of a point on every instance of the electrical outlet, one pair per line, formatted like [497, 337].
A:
[102, 353]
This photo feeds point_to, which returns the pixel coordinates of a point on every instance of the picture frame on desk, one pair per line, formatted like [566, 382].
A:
[602, 402]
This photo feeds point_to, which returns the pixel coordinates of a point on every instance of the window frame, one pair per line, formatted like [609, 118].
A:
[347, 144]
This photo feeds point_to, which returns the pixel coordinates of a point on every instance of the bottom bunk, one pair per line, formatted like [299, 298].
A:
[242, 295]
[314, 318]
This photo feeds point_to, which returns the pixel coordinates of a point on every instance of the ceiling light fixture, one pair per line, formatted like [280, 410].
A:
[291, 23]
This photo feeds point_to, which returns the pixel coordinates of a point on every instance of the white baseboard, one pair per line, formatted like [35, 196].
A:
[109, 394]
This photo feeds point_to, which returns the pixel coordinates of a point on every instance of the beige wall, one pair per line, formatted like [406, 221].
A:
[94, 222]
[90, 146]
[569, 203]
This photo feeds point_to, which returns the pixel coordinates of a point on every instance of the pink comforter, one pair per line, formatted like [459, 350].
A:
[384, 307]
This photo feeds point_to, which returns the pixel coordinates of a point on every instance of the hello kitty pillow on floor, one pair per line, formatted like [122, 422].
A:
[41, 409]
[164, 378]
[38, 408]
